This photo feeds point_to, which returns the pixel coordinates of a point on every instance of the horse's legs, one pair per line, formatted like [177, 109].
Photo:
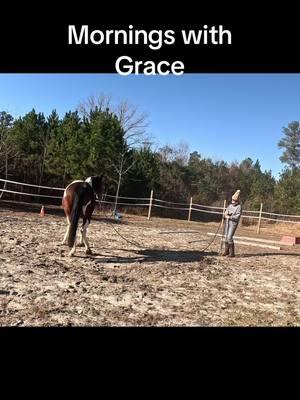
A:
[85, 224]
[72, 252]
[81, 236]
[67, 232]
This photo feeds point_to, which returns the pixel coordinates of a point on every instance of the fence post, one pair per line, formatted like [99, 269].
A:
[259, 219]
[224, 208]
[150, 204]
[190, 210]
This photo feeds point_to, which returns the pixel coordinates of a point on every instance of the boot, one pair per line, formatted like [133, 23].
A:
[231, 250]
[226, 251]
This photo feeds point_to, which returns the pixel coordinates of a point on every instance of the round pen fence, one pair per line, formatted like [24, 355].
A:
[30, 196]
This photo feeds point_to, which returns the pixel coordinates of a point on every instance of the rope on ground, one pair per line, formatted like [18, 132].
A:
[144, 247]
[213, 239]
[118, 233]
[128, 241]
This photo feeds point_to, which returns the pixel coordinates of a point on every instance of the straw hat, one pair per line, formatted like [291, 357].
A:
[236, 195]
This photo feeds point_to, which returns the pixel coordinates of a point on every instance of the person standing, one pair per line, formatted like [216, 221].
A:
[232, 216]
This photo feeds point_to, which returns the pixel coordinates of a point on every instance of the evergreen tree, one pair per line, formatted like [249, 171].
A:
[291, 144]
[144, 175]
[29, 133]
[287, 193]
[7, 147]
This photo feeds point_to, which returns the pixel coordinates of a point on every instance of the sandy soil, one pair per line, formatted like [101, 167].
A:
[165, 282]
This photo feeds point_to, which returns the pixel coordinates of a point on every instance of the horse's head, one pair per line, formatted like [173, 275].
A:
[97, 184]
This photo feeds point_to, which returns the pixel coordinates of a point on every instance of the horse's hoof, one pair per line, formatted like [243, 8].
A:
[88, 251]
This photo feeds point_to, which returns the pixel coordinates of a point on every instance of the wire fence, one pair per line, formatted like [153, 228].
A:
[17, 192]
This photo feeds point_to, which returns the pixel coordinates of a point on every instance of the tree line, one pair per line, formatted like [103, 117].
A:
[98, 138]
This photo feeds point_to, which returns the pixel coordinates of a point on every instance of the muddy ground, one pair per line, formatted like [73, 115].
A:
[165, 282]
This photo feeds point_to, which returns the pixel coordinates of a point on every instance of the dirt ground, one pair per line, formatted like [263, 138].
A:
[165, 282]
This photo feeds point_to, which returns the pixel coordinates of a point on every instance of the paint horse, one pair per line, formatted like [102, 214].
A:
[79, 200]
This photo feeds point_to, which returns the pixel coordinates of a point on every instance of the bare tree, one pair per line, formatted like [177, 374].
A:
[182, 153]
[102, 102]
[132, 122]
[134, 125]
[178, 153]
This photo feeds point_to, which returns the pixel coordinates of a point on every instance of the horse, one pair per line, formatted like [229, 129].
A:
[79, 200]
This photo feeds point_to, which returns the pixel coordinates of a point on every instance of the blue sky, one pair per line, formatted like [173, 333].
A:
[222, 116]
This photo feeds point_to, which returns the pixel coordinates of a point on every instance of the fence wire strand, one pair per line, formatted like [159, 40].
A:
[188, 207]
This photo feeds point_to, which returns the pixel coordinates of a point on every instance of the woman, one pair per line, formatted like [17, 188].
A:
[232, 216]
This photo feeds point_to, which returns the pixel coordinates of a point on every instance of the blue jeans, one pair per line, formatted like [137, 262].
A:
[230, 228]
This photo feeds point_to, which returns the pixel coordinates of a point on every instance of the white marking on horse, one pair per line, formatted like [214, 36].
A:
[67, 232]
[72, 183]
[84, 238]
[65, 192]
[89, 181]
[85, 206]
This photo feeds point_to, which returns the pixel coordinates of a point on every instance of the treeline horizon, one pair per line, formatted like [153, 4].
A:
[95, 138]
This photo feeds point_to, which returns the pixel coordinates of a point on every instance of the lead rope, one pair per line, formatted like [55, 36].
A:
[213, 239]
[128, 241]
[117, 232]
[144, 247]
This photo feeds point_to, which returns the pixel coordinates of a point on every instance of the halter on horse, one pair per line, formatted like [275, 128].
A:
[79, 200]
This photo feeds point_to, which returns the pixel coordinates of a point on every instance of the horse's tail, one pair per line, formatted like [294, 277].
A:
[75, 214]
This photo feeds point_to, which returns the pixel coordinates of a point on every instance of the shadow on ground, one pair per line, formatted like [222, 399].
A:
[266, 254]
[152, 255]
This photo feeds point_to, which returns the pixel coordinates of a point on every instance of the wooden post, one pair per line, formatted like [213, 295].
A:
[259, 219]
[190, 210]
[224, 208]
[150, 204]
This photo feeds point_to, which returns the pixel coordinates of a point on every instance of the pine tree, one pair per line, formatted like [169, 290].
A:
[291, 144]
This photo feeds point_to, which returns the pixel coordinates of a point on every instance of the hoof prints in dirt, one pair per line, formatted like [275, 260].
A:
[169, 283]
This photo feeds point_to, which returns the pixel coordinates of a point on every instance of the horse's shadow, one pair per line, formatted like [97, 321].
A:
[152, 255]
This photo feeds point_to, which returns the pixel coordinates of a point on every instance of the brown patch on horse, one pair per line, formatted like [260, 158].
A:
[79, 201]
